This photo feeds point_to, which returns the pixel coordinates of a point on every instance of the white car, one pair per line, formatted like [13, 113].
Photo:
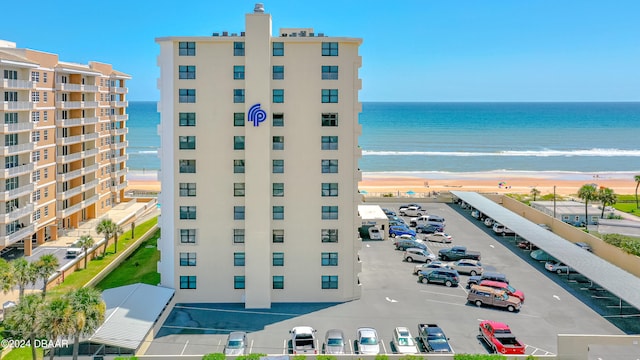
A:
[368, 341]
[412, 211]
[236, 344]
[403, 341]
[440, 237]
[557, 267]
[428, 266]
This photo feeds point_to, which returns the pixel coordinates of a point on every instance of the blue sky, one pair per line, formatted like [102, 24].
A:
[467, 50]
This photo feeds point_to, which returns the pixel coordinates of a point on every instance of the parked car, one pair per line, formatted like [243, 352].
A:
[500, 338]
[428, 229]
[467, 266]
[412, 211]
[403, 341]
[419, 255]
[367, 341]
[575, 223]
[447, 277]
[303, 340]
[558, 267]
[397, 223]
[541, 255]
[457, 253]
[404, 244]
[428, 220]
[400, 230]
[524, 244]
[333, 342]
[487, 275]
[428, 266]
[396, 218]
[484, 295]
[585, 246]
[440, 237]
[433, 338]
[236, 344]
[503, 286]
[488, 222]
[389, 212]
[403, 207]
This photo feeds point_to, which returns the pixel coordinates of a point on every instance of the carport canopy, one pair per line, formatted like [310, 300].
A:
[612, 278]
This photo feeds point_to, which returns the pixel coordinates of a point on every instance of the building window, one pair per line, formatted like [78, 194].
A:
[278, 143]
[36, 195]
[278, 235]
[238, 236]
[329, 259]
[44, 96]
[278, 96]
[187, 119]
[238, 96]
[35, 176]
[46, 208]
[278, 189]
[329, 49]
[329, 213]
[45, 115]
[10, 118]
[11, 96]
[45, 154]
[238, 119]
[44, 77]
[278, 282]
[278, 72]
[35, 136]
[238, 213]
[35, 116]
[278, 213]
[238, 189]
[35, 96]
[35, 76]
[187, 142]
[329, 143]
[187, 212]
[45, 135]
[329, 72]
[238, 72]
[278, 49]
[329, 189]
[238, 48]
[278, 259]
[278, 120]
[35, 156]
[187, 189]
[329, 95]
[188, 259]
[187, 72]
[278, 166]
[187, 166]
[187, 282]
[329, 166]
[238, 259]
[329, 281]
[238, 143]
[187, 48]
[329, 235]
[238, 282]
[238, 166]
[187, 236]
[188, 95]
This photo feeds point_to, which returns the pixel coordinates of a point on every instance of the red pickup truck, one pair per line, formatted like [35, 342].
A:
[499, 337]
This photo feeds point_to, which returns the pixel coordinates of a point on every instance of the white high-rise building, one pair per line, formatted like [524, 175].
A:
[259, 161]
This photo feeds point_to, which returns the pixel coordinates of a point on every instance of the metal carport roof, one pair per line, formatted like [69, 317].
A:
[612, 278]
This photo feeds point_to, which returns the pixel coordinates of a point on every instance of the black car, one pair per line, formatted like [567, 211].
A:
[428, 229]
[446, 277]
[437, 341]
[404, 244]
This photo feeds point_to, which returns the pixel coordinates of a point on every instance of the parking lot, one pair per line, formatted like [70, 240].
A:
[392, 297]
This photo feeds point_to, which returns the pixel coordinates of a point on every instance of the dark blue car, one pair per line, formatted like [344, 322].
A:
[400, 230]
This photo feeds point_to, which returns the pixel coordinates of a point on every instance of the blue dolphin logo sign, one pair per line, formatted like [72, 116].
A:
[256, 115]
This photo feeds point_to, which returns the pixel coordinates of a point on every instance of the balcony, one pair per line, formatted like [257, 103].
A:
[76, 139]
[18, 149]
[76, 104]
[76, 87]
[17, 192]
[119, 145]
[17, 105]
[120, 90]
[77, 207]
[9, 239]
[121, 131]
[18, 127]
[77, 173]
[62, 195]
[16, 214]
[119, 159]
[119, 103]
[17, 84]
[124, 117]
[119, 187]
[119, 173]
[17, 171]
[76, 121]
[77, 156]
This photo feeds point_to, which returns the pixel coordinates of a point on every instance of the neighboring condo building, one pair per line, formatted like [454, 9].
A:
[64, 147]
[259, 163]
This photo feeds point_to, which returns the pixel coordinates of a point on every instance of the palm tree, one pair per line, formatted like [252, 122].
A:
[58, 317]
[587, 193]
[608, 197]
[117, 230]
[7, 280]
[24, 320]
[534, 192]
[85, 242]
[106, 227]
[45, 266]
[24, 274]
[637, 179]
[88, 311]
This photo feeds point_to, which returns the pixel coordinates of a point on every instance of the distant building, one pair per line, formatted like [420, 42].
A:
[571, 212]
[64, 143]
[260, 165]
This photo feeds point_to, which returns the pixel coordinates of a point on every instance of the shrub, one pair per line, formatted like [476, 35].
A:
[214, 356]
[387, 195]
[411, 357]
[250, 356]
[326, 357]
[125, 358]
[478, 357]
[299, 357]
[382, 357]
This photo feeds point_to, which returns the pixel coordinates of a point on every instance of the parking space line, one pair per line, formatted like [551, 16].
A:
[351, 345]
[284, 347]
[440, 294]
[383, 347]
[251, 347]
[184, 348]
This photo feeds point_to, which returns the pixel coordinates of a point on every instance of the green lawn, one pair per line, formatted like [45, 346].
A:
[141, 267]
[23, 354]
[80, 277]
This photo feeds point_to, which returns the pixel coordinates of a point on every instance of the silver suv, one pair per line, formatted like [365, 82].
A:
[419, 255]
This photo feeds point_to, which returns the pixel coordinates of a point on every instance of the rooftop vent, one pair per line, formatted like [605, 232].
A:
[225, 33]
[303, 33]
[242, 33]
[215, 34]
[259, 8]
[321, 34]
[234, 34]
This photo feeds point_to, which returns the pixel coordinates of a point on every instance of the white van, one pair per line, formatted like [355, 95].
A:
[375, 233]
[498, 228]
[73, 252]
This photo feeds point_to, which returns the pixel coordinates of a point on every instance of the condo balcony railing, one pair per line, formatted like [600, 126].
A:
[76, 121]
[16, 214]
[119, 103]
[26, 189]
[7, 239]
[77, 156]
[76, 87]
[119, 187]
[119, 173]
[76, 104]
[124, 117]
[17, 170]
[76, 139]
[121, 131]
[17, 84]
[119, 159]
[120, 90]
[119, 145]
[62, 195]
[77, 207]
[18, 149]
[77, 173]
[17, 127]
[17, 105]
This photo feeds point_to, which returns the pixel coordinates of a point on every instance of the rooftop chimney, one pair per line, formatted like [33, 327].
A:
[259, 8]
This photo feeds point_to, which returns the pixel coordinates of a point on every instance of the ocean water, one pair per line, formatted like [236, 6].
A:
[444, 138]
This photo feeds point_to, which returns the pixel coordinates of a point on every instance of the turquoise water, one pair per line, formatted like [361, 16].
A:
[467, 137]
